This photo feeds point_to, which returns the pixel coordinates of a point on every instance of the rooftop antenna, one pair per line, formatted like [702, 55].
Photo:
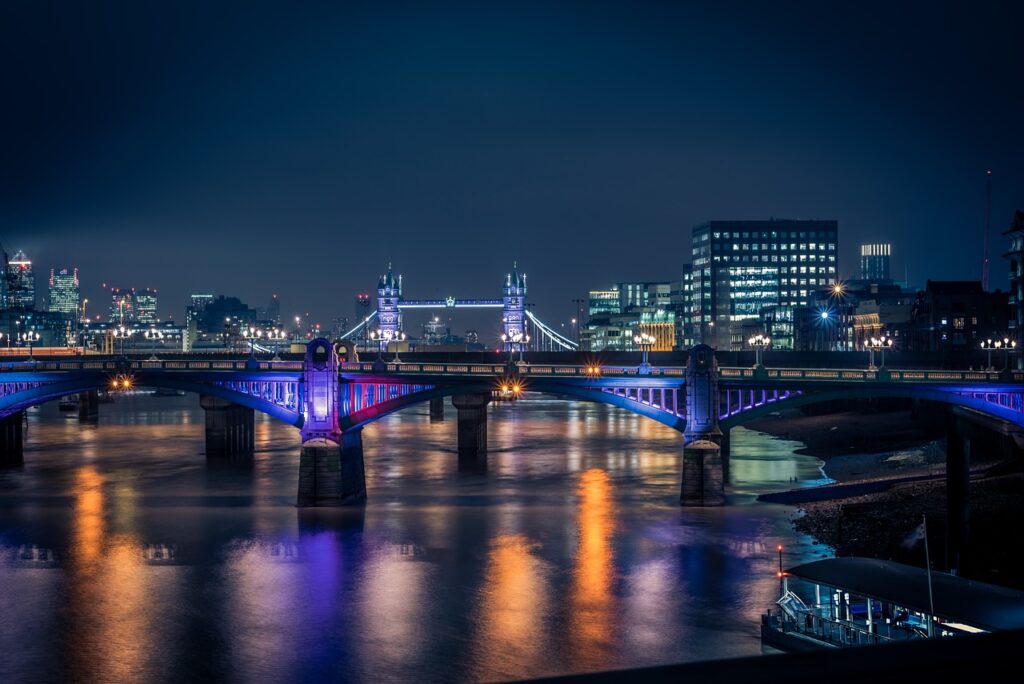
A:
[988, 204]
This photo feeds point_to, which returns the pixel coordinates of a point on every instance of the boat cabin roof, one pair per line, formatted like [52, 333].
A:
[956, 599]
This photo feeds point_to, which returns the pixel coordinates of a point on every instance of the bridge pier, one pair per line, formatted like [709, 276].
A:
[437, 410]
[229, 428]
[332, 474]
[725, 449]
[702, 482]
[88, 406]
[958, 510]
[12, 440]
[472, 431]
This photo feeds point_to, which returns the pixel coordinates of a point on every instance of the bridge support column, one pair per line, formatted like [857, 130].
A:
[702, 481]
[88, 406]
[703, 476]
[958, 510]
[229, 428]
[437, 410]
[332, 474]
[12, 440]
[472, 430]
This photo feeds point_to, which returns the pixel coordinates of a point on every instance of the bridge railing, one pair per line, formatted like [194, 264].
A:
[889, 375]
[143, 365]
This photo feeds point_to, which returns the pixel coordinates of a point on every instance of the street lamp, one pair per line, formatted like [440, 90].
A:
[121, 333]
[759, 342]
[28, 337]
[385, 338]
[879, 344]
[519, 339]
[252, 334]
[645, 341]
[988, 346]
[153, 335]
[1009, 346]
[276, 336]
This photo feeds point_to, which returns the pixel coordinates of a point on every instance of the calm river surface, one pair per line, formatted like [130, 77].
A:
[124, 557]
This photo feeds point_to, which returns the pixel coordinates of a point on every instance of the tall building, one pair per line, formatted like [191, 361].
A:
[274, 310]
[122, 307]
[64, 294]
[745, 271]
[144, 304]
[874, 262]
[21, 283]
[1016, 256]
[389, 294]
[625, 309]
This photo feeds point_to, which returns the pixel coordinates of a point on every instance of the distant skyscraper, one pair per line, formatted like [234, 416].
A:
[144, 303]
[274, 310]
[122, 307]
[874, 261]
[21, 282]
[64, 290]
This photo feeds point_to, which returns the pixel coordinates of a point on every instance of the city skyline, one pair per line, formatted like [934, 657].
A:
[597, 145]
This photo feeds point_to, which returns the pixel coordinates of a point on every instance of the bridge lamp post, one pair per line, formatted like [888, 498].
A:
[252, 334]
[988, 346]
[276, 336]
[879, 344]
[759, 343]
[1009, 347]
[28, 338]
[121, 333]
[153, 335]
[645, 341]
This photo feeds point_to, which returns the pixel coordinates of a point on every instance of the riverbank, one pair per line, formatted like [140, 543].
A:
[849, 432]
[890, 471]
[877, 525]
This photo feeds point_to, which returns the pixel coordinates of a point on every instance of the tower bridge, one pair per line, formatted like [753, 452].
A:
[330, 401]
[521, 330]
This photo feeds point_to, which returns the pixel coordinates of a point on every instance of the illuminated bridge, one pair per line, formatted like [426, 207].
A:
[521, 330]
[330, 401]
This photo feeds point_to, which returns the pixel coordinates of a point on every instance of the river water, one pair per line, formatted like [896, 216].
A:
[125, 557]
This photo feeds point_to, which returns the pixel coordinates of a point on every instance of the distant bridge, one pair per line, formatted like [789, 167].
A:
[330, 401]
[517, 321]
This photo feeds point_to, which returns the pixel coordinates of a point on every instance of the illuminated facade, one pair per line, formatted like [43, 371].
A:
[513, 315]
[64, 292]
[744, 270]
[144, 306]
[874, 262]
[389, 296]
[1016, 256]
[122, 306]
[21, 283]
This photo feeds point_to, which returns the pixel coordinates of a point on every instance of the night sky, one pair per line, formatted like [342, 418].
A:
[247, 148]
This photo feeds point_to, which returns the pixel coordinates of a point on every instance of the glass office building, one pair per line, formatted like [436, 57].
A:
[747, 271]
[64, 290]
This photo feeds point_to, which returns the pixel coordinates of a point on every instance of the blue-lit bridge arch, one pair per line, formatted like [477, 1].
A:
[330, 401]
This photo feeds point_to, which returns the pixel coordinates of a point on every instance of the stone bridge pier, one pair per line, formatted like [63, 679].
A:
[229, 428]
[12, 440]
[472, 431]
[331, 462]
[89, 406]
[703, 472]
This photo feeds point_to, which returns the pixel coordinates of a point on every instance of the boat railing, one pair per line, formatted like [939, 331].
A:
[836, 632]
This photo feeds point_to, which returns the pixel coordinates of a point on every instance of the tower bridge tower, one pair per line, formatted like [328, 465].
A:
[389, 296]
[513, 315]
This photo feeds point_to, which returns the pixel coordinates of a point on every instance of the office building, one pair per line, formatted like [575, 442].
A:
[122, 306]
[874, 262]
[64, 292]
[956, 316]
[1015, 254]
[747, 271]
[626, 309]
[21, 283]
[144, 307]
